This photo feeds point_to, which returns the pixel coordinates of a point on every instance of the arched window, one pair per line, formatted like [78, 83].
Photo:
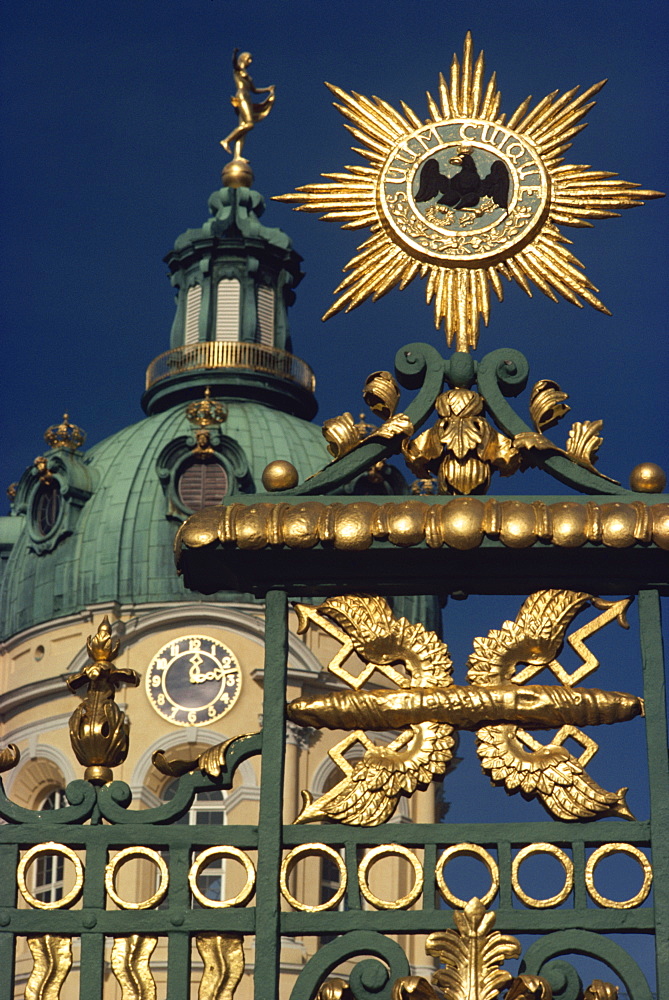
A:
[201, 483]
[192, 326]
[227, 309]
[265, 307]
[208, 809]
[49, 869]
[46, 508]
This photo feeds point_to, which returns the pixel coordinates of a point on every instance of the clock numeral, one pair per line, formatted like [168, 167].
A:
[194, 643]
[211, 712]
[174, 649]
[161, 663]
[160, 700]
[231, 680]
[192, 718]
[174, 713]
[155, 681]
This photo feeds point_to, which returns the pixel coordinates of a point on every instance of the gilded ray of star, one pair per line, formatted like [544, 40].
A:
[466, 197]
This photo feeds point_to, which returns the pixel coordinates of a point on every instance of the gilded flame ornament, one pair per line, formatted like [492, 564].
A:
[466, 198]
[98, 727]
[498, 705]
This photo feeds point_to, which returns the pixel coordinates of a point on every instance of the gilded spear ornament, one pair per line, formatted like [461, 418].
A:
[426, 706]
[466, 197]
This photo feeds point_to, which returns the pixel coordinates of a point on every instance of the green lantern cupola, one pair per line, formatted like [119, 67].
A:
[234, 279]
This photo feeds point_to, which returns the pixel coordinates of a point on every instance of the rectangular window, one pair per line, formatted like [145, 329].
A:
[193, 301]
[265, 306]
[227, 309]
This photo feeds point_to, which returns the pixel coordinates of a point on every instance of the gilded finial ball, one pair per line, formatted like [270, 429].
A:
[280, 475]
[237, 174]
[648, 477]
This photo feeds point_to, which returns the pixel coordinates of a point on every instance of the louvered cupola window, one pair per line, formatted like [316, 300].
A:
[193, 302]
[227, 309]
[265, 306]
[202, 483]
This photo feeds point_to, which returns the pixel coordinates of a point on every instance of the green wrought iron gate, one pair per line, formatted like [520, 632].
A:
[307, 543]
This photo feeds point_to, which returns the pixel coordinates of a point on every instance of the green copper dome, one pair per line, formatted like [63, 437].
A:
[97, 527]
[115, 544]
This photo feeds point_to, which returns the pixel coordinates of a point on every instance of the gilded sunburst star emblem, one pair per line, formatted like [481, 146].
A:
[466, 197]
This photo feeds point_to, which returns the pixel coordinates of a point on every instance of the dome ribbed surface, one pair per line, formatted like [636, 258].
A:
[121, 546]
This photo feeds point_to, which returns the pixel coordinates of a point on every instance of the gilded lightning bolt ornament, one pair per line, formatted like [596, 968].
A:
[497, 704]
[466, 197]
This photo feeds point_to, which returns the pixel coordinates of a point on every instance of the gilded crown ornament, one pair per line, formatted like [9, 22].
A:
[466, 198]
[65, 435]
[207, 412]
[98, 727]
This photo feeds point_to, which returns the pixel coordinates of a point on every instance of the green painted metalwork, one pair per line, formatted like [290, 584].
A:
[100, 820]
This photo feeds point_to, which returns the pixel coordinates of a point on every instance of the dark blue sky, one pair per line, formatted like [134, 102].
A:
[111, 121]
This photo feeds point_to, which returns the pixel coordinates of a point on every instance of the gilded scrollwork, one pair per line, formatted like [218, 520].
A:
[9, 757]
[426, 706]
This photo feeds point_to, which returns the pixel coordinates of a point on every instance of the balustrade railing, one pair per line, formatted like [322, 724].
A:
[230, 354]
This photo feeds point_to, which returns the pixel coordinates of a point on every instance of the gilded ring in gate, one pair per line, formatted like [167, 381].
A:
[50, 848]
[468, 851]
[565, 861]
[203, 859]
[290, 859]
[632, 852]
[120, 859]
[386, 851]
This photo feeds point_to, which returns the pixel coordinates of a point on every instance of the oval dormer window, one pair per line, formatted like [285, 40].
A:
[202, 483]
[46, 508]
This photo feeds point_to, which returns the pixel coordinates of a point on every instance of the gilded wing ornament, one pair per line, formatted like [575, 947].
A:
[426, 706]
[510, 755]
[369, 792]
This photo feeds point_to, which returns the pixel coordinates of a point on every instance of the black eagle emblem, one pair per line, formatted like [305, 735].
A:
[465, 188]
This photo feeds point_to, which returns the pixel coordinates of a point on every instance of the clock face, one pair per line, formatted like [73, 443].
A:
[193, 680]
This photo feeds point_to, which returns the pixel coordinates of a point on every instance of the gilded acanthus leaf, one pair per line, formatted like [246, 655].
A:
[472, 955]
[583, 444]
[52, 960]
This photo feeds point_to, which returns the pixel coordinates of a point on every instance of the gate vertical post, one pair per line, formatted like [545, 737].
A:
[9, 859]
[93, 942]
[268, 902]
[650, 626]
